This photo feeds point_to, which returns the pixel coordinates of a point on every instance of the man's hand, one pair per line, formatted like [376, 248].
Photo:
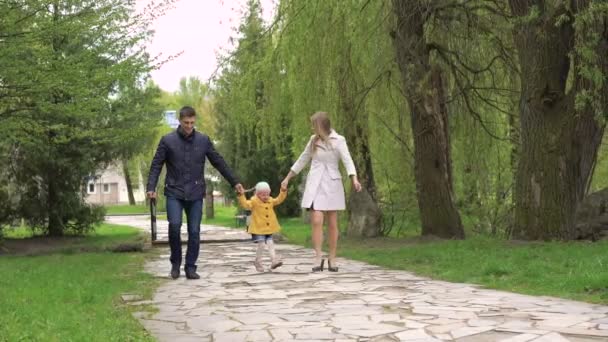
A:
[239, 188]
[151, 194]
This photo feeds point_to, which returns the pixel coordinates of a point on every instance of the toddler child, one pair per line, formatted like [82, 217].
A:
[263, 222]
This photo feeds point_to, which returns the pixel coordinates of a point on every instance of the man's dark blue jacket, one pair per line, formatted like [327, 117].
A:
[185, 160]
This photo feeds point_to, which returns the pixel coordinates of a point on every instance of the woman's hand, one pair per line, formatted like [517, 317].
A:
[356, 184]
[285, 182]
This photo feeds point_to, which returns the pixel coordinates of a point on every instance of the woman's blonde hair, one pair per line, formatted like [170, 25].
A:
[322, 127]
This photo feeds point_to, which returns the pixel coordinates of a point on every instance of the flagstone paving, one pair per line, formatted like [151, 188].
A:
[361, 302]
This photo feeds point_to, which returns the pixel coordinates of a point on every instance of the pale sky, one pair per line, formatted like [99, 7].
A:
[199, 28]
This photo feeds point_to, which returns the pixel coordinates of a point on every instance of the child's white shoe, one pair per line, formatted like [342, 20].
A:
[276, 264]
[258, 266]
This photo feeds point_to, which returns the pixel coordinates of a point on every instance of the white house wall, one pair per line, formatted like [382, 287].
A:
[113, 175]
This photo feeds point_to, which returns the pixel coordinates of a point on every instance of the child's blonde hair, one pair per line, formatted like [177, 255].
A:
[262, 186]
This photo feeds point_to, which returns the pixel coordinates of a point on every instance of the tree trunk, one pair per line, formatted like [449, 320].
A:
[514, 137]
[209, 205]
[424, 89]
[559, 142]
[364, 214]
[514, 129]
[55, 223]
[127, 175]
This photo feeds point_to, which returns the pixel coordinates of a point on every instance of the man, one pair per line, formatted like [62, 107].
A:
[184, 152]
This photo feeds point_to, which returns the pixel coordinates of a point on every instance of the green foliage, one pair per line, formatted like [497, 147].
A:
[145, 158]
[600, 176]
[590, 55]
[144, 106]
[256, 143]
[302, 60]
[312, 54]
[73, 99]
[193, 92]
[139, 104]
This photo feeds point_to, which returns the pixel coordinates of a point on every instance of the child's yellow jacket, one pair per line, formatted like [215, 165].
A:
[263, 219]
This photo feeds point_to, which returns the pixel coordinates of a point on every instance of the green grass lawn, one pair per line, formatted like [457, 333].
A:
[574, 270]
[125, 209]
[69, 296]
[224, 216]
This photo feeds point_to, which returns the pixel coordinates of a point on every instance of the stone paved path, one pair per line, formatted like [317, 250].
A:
[233, 302]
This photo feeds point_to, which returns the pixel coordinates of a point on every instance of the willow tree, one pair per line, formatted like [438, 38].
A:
[325, 69]
[338, 57]
[257, 141]
[236, 105]
[562, 48]
[424, 86]
[450, 54]
[364, 215]
[482, 89]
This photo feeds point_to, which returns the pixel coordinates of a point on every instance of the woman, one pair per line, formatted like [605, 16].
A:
[324, 192]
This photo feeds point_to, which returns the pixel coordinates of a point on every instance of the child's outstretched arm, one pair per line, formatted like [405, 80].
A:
[243, 202]
[282, 196]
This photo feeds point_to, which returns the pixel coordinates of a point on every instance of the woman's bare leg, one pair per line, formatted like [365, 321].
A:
[332, 234]
[316, 223]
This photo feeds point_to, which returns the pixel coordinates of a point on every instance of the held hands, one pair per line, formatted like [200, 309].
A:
[284, 184]
[239, 188]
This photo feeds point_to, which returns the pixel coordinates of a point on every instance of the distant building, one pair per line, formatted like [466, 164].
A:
[109, 186]
[171, 118]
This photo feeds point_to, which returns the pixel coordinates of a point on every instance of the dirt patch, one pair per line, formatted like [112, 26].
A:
[40, 245]
[37, 245]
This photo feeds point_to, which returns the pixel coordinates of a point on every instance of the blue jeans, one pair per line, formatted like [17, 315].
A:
[261, 237]
[194, 213]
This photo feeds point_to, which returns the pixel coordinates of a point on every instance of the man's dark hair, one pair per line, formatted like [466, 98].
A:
[186, 112]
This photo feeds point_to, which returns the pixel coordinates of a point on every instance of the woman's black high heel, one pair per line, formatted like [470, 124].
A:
[331, 269]
[320, 267]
